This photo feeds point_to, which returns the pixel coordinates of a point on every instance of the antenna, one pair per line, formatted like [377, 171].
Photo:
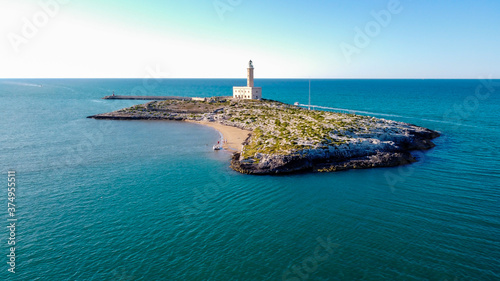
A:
[309, 106]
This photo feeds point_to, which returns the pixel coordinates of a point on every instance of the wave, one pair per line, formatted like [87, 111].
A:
[22, 84]
[386, 114]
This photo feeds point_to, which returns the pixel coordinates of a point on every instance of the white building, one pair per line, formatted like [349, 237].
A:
[249, 92]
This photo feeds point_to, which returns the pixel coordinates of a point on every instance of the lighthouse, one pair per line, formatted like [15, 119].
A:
[250, 74]
[249, 92]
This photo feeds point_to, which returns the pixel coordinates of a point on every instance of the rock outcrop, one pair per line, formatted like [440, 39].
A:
[333, 160]
[289, 139]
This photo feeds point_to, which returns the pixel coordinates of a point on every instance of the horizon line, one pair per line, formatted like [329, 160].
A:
[298, 78]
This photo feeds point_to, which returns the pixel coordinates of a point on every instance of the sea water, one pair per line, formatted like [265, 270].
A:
[151, 200]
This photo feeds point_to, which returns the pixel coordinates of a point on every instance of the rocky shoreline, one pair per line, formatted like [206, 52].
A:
[332, 161]
[345, 141]
[325, 162]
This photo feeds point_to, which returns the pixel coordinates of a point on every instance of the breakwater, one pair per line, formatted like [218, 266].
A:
[118, 97]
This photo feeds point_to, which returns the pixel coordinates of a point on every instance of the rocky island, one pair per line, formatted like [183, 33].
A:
[284, 138]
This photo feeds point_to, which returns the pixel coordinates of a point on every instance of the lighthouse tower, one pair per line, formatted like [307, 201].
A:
[249, 92]
[250, 74]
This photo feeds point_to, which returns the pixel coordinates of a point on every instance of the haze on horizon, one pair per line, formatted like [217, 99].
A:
[216, 38]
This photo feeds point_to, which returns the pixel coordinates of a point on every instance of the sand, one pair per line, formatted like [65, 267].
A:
[234, 136]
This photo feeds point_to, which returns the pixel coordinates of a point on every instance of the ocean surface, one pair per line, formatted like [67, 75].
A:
[150, 200]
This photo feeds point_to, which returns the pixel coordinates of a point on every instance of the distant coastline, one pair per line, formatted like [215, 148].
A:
[270, 137]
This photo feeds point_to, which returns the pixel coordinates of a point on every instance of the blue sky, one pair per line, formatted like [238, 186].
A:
[215, 39]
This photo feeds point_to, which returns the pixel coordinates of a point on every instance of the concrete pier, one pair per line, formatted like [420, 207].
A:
[116, 97]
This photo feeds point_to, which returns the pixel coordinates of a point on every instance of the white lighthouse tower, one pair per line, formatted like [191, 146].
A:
[250, 74]
[249, 92]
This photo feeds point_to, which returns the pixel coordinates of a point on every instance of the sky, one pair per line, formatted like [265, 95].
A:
[217, 38]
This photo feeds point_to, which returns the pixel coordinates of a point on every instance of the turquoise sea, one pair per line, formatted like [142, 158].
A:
[150, 200]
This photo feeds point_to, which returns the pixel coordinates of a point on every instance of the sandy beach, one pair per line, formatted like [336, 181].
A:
[234, 136]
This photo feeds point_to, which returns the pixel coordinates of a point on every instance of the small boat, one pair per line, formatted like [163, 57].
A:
[217, 146]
